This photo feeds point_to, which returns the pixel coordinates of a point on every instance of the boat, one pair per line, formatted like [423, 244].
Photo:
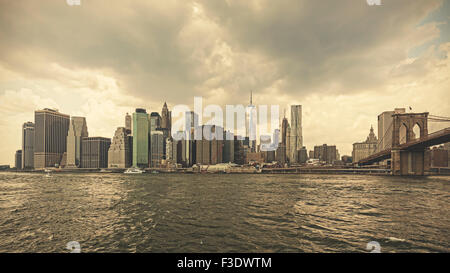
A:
[48, 172]
[133, 171]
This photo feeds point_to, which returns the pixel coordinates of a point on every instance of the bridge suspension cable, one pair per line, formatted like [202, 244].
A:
[435, 118]
[378, 148]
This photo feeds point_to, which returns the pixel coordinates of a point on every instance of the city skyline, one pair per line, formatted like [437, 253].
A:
[343, 84]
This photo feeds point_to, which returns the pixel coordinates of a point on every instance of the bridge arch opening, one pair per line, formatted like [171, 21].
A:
[403, 132]
[416, 132]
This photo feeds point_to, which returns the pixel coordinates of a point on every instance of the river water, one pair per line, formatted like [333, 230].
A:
[223, 213]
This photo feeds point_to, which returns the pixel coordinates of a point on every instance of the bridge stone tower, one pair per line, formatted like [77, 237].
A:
[406, 161]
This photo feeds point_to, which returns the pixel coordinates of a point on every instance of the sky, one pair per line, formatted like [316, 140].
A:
[344, 61]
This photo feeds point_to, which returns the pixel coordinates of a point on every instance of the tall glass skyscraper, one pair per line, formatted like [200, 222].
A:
[141, 133]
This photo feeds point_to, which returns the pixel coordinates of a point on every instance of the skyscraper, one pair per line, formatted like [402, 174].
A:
[28, 145]
[94, 152]
[77, 131]
[18, 160]
[284, 128]
[155, 121]
[50, 142]
[166, 119]
[119, 153]
[157, 148]
[288, 143]
[296, 138]
[141, 134]
[250, 124]
[228, 147]
[128, 123]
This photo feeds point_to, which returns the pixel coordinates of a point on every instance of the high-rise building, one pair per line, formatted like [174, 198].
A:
[250, 124]
[284, 128]
[141, 138]
[18, 160]
[239, 150]
[280, 154]
[156, 148]
[366, 148]
[288, 144]
[385, 121]
[94, 152]
[77, 131]
[120, 151]
[155, 121]
[228, 147]
[166, 118]
[296, 138]
[171, 150]
[28, 145]
[128, 123]
[50, 137]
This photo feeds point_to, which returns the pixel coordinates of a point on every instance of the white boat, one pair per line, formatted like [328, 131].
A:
[48, 172]
[133, 170]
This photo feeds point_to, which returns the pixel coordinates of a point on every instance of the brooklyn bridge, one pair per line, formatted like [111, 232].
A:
[410, 155]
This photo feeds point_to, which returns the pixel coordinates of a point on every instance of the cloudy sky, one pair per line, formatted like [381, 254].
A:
[344, 61]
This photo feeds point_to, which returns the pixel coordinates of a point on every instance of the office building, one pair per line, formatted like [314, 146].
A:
[50, 137]
[18, 160]
[280, 154]
[141, 138]
[250, 124]
[155, 121]
[166, 119]
[366, 148]
[128, 124]
[228, 147]
[77, 131]
[296, 138]
[28, 145]
[120, 152]
[94, 152]
[156, 149]
[284, 128]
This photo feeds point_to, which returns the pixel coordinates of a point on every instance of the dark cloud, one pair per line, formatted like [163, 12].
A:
[312, 46]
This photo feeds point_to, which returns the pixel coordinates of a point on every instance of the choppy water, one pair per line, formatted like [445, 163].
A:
[223, 213]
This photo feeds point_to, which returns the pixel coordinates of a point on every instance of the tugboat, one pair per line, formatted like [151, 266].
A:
[133, 171]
